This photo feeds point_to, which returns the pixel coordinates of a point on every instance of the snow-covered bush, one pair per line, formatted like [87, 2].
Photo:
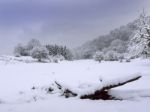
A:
[128, 60]
[55, 50]
[120, 56]
[26, 50]
[111, 56]
[56, 58]
[98, 56]
[59, 57]
[67, 54]
[39, 53]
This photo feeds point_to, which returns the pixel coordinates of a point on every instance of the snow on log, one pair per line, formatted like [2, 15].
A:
[102, 93]
[120, 81]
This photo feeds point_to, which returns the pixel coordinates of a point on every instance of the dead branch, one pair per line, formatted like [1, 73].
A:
[65, 91]
[121, 83]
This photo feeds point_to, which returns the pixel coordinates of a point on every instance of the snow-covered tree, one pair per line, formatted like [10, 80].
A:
[20, 50]
[111, 56]
[68, 54]
[39, 53]
[140, 43]
[56, 58]
[98, 56]
[33, 43]
[118, 46]
[120, 56]
[56, 50]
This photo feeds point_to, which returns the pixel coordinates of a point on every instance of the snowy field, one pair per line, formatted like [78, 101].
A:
[18, 76]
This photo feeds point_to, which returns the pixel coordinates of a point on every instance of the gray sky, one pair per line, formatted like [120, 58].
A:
[65, 22]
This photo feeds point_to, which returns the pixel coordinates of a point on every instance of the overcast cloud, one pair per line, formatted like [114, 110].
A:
[65, 22]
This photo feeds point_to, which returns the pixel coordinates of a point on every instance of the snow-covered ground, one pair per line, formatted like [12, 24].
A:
[19, 75]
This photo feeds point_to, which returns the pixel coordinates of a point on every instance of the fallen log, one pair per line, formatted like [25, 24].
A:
[102, 92]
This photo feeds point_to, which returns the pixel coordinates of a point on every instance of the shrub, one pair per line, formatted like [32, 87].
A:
[98, 56]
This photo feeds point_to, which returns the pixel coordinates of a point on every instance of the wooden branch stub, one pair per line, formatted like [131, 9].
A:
[65, 91]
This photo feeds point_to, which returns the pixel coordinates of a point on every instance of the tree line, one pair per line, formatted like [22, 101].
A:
[128, 41]
[38, 51]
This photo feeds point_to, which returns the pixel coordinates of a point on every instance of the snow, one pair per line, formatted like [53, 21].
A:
[18, 77]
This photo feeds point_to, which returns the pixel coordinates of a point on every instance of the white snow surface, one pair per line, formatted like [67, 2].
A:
[19, 75]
